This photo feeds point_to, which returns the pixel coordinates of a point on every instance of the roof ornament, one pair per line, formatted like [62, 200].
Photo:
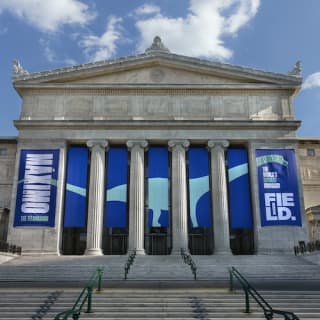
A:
[157, 46]
[296, 71]
[17, 69]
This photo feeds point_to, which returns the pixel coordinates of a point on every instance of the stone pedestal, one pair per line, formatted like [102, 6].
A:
[179, 196]
[96, 197]
[219, 197]
[136, 203]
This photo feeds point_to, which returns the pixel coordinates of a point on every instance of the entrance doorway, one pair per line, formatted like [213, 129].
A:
[74, 241]
[201, 241]
[158, 241]
[241, 241]
[115, 241]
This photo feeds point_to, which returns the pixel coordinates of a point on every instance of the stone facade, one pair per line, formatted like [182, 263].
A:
[156, 98]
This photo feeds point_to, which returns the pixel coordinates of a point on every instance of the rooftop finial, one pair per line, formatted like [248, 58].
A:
[296, 71]
[17, 69]
[157, 46]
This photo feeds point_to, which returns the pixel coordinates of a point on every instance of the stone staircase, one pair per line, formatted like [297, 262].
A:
[154, 304]
[159, 287]
[157, 268]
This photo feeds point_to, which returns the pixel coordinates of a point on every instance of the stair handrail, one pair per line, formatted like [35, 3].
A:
[188, 260]
[85, 296]
[250, 290]
[129, 263]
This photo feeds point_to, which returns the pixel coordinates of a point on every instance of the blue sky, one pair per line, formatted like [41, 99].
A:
[264, 34]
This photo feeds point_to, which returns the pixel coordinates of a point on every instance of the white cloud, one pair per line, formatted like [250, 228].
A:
[48, 15]
[147, 9]
[202, 31]
[312, 81]
[103, 47]
[52, 56]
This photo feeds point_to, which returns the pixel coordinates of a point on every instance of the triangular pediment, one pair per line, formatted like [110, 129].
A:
[156, 75]
[156, 69]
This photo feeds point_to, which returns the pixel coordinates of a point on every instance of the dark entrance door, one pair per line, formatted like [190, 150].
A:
[241, 241]
[158, 241]
[200, 241]
[115, 241]
[74, 241]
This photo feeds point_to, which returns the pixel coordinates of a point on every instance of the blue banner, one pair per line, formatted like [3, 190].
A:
[117, 180]
[158, 187]
[278, 187]
[75, 208]
[37, 188]
[239, 189]
[199, 188]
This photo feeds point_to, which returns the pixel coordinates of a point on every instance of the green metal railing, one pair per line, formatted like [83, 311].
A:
[85, 296]
[188, 260]
[129, 263]
[250, 291]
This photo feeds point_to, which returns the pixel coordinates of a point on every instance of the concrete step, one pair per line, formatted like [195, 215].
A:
[154, 304]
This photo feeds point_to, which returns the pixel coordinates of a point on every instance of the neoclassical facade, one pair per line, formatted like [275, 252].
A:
[154, 153]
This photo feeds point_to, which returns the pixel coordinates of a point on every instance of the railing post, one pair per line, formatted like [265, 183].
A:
[247, 301]
[230, 281]
[89, 305]
[100, 272]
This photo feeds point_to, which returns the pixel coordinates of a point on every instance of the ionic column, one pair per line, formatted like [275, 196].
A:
[219, 197]
[96, 196]
[179, 195]
[136, 202]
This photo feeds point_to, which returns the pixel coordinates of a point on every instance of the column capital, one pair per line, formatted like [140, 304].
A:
[218, 143]
[102, 143]
[183, 143]
[141, 143]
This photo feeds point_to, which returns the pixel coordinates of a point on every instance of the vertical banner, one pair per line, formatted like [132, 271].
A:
[199, 188]
[158, 187]
[239, 189]
[37, 188]
[117, 180]
[76, 188]
[278, 187]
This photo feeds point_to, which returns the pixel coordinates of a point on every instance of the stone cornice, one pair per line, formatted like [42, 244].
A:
[156, 124]
[148, 90]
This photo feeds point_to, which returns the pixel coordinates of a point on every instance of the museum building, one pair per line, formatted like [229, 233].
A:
[156, 152]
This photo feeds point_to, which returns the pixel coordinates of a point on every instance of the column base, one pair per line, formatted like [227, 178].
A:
[177, 251]
[226, 252]
[94, 252]
[139, 252]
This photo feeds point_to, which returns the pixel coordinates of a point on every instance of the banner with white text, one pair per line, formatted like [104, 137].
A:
[37, 188]
[278, 187]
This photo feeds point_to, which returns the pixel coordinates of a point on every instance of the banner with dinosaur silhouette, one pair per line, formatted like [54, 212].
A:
[239, 189]
[75, 208]
[116, 207]
[199, 188]
[158, 187]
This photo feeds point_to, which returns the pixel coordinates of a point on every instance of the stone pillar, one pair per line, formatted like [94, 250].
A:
[136, 202]
[96, 196]
[219, 197]
[179, 195]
